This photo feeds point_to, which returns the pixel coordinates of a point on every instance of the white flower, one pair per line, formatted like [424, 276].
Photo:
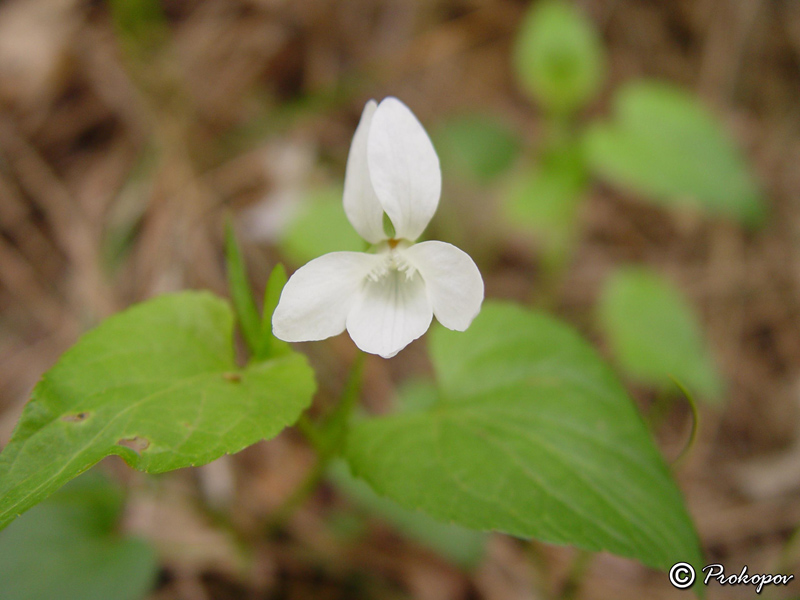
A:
[387, 297]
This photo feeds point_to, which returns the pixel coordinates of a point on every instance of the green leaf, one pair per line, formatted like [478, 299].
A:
[664, 145]
[416, 394]
[158, 386]
[532, 436]
[321, 227]
[269, 345]
[477, 146]
[465, 547]
[558, 56]
[654, 333]
[546, 200]
[68, 548]
[241, 292]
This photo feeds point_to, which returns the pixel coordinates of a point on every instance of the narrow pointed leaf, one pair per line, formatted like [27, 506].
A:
[158, 386]
[269, 345]
[240, 290]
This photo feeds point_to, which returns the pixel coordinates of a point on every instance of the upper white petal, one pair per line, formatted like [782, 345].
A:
[389, 314]
[316, 300]
[404, 168]
[452, 280]
[360, 202]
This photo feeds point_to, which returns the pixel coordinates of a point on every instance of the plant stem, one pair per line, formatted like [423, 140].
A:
[695, 422]
[312, 433]
[327, 439]
[335, 426]
[554, 264]
[299, 496]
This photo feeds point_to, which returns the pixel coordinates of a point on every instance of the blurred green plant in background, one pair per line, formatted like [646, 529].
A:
[660, 145]
[69, 547]
[559, 59]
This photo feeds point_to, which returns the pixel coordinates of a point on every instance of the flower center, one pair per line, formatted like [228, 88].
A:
[393, 260]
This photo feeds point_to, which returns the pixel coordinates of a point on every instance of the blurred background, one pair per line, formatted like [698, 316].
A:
[632, 166]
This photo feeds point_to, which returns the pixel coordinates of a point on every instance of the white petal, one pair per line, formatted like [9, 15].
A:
[360, 202]
[316, 300]
[404, 168]
[453, 282]
[389, 314]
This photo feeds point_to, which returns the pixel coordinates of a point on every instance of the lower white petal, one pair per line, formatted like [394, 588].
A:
[389, 314]
[316, 300]
[453, 282]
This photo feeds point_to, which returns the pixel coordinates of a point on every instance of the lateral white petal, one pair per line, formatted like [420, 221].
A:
[316, 300]
[389, 314]
[453, 282]
[360, 202]
[404, 168]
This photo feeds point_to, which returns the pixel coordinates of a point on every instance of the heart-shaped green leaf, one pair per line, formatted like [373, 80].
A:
[666, 146]
[532, 436]
[654, 334]
[157, 385]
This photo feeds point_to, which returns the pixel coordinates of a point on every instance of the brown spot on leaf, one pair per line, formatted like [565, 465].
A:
[232, 377]
[136, 443]
[76, 418]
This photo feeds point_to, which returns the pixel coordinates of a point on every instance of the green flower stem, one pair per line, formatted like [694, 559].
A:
[695, 423]
[335, 426]
[554, 263]
[312, 433]
[561, 135]
[328, 441]
[299, 496]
